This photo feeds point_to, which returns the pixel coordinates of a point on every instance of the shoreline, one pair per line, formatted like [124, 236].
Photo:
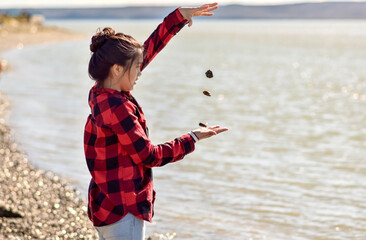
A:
[35, 204]
[18, 35]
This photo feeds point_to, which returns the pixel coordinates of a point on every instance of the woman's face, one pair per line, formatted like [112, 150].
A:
[130, 76]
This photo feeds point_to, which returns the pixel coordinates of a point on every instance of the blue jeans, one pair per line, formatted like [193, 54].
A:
[128, 228]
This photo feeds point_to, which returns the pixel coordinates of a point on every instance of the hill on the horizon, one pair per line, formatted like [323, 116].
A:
[325, 10]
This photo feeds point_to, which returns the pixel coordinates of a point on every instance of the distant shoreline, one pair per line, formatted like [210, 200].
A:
[321, 10]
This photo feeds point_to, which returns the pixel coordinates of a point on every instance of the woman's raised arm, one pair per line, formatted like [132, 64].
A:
[171, 25]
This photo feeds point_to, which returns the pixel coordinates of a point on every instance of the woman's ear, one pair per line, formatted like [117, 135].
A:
[117, 70]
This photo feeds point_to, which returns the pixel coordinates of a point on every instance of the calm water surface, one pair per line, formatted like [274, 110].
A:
[293, 93]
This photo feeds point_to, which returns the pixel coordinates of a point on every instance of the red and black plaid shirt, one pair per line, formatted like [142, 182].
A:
[118, 151]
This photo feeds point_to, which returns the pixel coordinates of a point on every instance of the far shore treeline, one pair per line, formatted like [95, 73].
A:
[324, 10]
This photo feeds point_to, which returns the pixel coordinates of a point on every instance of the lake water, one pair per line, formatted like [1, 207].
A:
[292, 93]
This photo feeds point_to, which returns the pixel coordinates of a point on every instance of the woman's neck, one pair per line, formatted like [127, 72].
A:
[111, 83]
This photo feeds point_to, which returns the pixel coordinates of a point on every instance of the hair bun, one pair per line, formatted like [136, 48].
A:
[101, 37]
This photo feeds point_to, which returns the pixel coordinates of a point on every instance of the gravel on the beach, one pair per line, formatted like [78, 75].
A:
[36, 204]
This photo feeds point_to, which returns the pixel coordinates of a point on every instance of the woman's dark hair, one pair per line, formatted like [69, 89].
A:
[111, 48]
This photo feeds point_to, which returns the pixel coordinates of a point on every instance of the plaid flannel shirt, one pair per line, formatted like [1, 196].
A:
[119, 153]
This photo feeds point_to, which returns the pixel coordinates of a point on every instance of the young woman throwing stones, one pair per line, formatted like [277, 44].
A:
[118, 151]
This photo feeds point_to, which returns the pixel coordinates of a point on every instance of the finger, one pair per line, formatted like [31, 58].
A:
[202, 7]
[209, 7]
[206, 14]
[220, 130]
[206, 11]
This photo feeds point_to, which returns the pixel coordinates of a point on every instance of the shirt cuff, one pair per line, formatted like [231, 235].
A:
[195, 138]
[179, 17]
[188, 143]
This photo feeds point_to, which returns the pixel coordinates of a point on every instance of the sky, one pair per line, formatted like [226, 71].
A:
[100, 3]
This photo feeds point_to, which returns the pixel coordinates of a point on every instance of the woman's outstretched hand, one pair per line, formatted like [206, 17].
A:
[203, 132]
[205, 10]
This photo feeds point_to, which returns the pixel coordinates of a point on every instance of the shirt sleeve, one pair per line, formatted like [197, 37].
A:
[166, 30]
[138, 146]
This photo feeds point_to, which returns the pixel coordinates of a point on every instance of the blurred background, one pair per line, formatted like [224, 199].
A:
[289, 82]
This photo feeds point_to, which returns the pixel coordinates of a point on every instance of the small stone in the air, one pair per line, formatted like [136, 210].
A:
[207, 93]
[203, 125]
[209, 74]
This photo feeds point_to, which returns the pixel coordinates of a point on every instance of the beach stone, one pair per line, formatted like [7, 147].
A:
[209, 74]
[207, 93]
[202, 124]
[8, 213]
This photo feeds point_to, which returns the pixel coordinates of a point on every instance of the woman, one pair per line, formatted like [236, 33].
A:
[118, 150]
